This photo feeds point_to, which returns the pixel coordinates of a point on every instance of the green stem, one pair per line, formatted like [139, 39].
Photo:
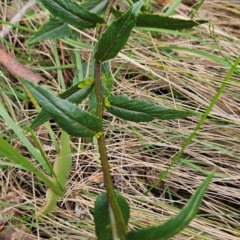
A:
[119, 222]
[117, 213]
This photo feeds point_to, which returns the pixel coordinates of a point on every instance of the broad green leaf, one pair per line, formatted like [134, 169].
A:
[57, 29]
[103, 226]
[53, 29]
[177, 223]
[72, 13]
[73, 94]
[96, 6]
[102, 218]
[117, 34]
[12, 154]
[67, 115]
[157, 21]
[141, 111]
[124, 207]
[61, 168]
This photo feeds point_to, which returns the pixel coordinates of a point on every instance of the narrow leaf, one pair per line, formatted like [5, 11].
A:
[61, 168]
[103, 227]
[177, 223]
[73, 94]
[53, 29]
[93, 103]
[157, 21]
[12, 154]
[117, 34]
[50, 202]
[143, 8]
[72, 13]
[67, 115]
[63, 165]
[141, 111]
[96, 6]
[107, 79]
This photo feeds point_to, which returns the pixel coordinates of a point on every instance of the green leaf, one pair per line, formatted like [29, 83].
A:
[73, 94]
[117, 34]
[141, 111]
[102, 218]
[107, 79]
[53, 29]
[72, 13]
[96, 6]
[67, 115]
[11, 153]
[57, 29]
[93, 103]
[177, 223]
[62, 167]
[157, 21]
[103, 226]
[86, 82]
[143, 8]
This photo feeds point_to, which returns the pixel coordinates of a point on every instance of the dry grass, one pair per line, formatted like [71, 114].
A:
[140, 153]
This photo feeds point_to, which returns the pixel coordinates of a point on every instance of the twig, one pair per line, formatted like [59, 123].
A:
[17, 69]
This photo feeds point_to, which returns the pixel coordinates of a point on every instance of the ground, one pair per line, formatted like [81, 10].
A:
[182, 70]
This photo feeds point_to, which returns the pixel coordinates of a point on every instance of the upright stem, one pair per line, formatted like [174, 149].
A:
[117, 213]
[120, 224]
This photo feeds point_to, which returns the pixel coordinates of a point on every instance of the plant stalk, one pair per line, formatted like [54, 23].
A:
[120, 225]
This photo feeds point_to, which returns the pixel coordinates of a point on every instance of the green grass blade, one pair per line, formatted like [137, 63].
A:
[24, 139]
[9, 152]
[204, 116]
[203, 54]
[172, 8]
[196, 9]
[199, 169]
